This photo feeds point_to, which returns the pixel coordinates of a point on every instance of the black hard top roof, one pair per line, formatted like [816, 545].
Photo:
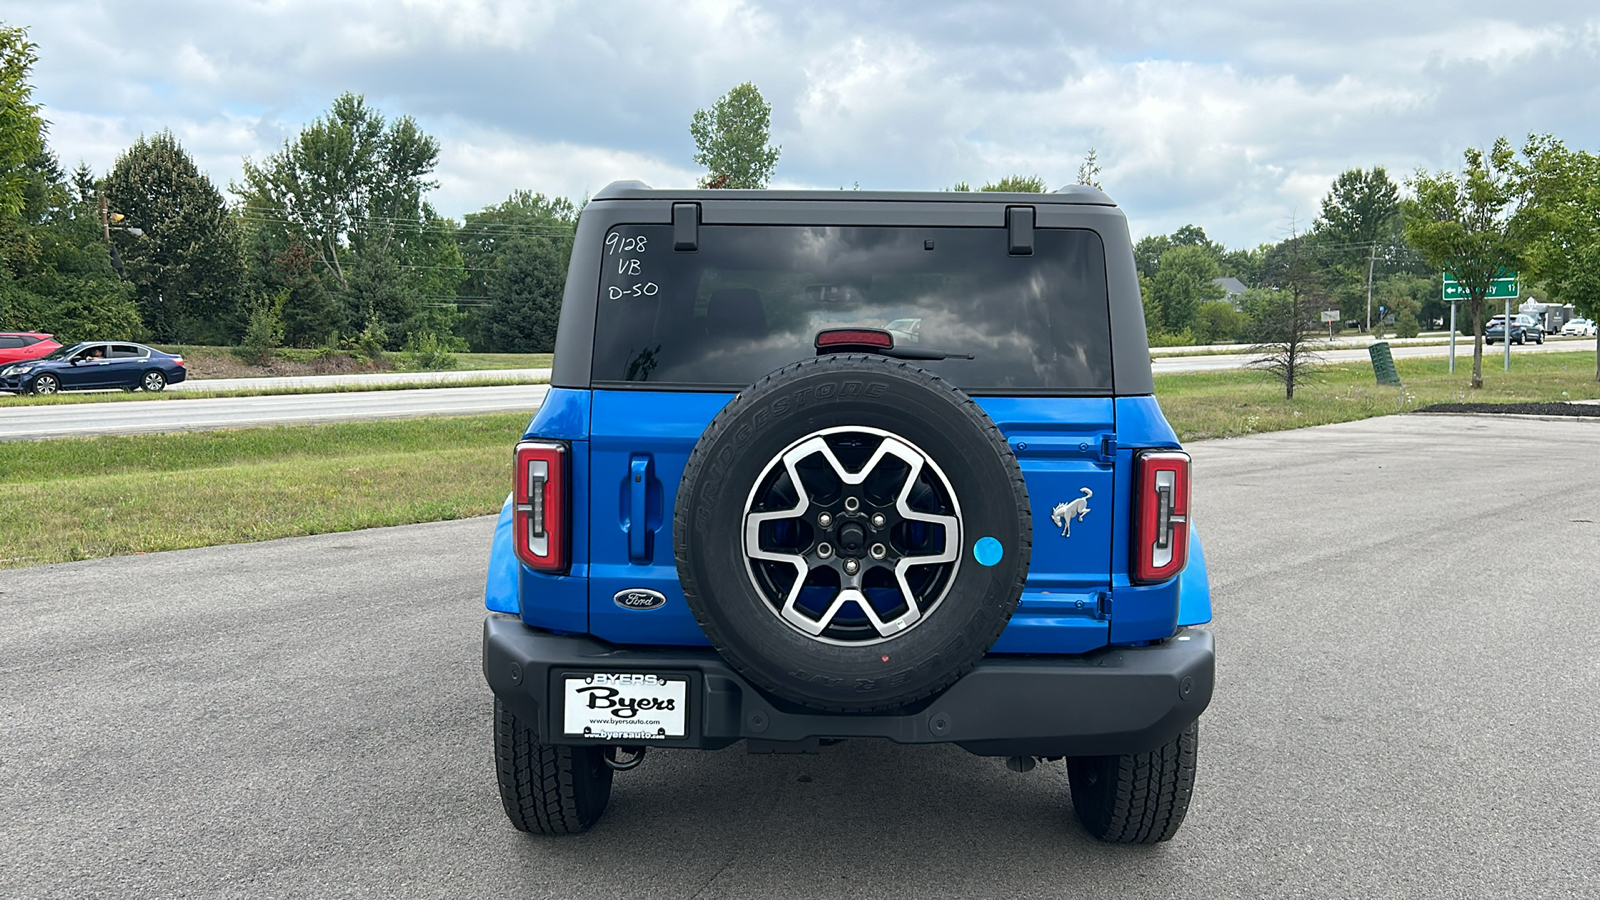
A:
[1077, 195]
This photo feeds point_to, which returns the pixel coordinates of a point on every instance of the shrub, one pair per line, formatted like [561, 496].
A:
[1406, 324]
[1183, 338]
[263, 331]
[427, 353]
[368, 346]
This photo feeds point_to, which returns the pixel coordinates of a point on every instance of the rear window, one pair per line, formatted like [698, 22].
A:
[751, 299]
[123, 351]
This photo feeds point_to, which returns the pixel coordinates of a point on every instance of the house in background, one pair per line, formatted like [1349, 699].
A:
[1232, 290]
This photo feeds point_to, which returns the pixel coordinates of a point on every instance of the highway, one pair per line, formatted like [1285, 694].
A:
[135, 416]
[1404, 708]
[300, 382]
[1492, 356]
[19, 422]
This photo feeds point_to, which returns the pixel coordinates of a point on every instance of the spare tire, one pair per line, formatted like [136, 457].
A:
[852, 533]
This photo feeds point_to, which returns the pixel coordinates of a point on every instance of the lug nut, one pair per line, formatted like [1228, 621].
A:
[824, 550]
[879, 551]
[878, 520]
[825, 520]
[850, 566]
[851, 504]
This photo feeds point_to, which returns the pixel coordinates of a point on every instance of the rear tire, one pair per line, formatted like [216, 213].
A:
[153, 381]
[1136, 798]
[547, 789]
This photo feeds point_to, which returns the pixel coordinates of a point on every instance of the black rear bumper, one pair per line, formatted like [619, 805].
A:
[1117, 700]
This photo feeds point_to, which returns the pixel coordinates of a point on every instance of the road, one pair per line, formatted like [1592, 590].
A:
[1404, 708]
[31, 422]
[1492, 356]
[271, 382]
[130, 417]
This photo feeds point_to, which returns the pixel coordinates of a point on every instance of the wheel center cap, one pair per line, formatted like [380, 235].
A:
[852, 538]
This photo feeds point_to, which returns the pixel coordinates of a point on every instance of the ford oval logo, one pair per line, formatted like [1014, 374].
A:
[640, 598]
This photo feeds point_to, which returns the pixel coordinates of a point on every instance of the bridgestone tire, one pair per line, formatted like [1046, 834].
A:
[547, 789]
[843, 391]
[1136, 798]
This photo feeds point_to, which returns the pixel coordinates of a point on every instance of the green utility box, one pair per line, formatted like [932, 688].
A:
[1383, 363]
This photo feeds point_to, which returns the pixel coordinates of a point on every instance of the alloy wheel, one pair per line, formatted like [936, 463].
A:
[852, 535]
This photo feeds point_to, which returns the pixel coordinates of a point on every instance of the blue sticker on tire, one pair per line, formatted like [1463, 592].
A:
[987, 551]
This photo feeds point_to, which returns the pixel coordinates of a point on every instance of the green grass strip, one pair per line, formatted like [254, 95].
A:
[1231, 403]
[84, 498]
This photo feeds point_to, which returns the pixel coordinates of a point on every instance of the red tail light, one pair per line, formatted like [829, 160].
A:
[1161, 514]
[540, 505]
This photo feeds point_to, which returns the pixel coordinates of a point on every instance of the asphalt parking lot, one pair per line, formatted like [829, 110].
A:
[1408, 661]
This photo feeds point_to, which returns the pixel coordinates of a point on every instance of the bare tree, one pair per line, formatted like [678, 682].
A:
[1284, 316]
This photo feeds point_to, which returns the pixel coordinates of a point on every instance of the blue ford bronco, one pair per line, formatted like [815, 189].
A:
[827, 465]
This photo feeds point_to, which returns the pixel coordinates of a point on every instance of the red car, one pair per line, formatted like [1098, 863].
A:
[17, 346]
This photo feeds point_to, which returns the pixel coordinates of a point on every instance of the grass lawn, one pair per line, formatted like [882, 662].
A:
[477, 361]
[1227, 404]
[108, 496]
[81, 498]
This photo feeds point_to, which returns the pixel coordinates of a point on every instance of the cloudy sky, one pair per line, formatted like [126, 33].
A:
[1232, 115]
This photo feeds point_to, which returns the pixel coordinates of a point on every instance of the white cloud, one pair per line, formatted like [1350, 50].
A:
[1232, 115]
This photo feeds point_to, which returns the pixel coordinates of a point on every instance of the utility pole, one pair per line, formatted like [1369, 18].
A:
[1371, 260]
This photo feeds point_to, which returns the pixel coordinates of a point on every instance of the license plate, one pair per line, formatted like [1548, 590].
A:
[620, 706]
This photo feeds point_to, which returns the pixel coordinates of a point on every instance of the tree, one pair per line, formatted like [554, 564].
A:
[1282, 318]
[1358, 229]
[1089, 170]
[1216, 322]
[516, 254]
[525, 291]
[21, 128]
[350, 189]
[1185, 279]
[1244, 265]
[348, 183]
[184, 259]
[1016, 184]
[1148, 251]
[1561, 219]
[1362, 208]
[55, 271]
[731, 140]
[1465, 223]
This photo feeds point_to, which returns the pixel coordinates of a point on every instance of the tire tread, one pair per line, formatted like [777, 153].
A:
[1136, 798]
[547, 789]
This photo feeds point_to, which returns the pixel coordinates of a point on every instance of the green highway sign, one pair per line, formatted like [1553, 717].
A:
[1504, 287]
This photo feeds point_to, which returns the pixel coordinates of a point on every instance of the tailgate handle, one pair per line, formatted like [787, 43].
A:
[639, 475]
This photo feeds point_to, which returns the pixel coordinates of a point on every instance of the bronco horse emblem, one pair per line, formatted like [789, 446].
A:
[1064, 512]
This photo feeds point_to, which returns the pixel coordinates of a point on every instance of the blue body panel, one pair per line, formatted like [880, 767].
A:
[560, 602]
[654, 431]
[1059, 443]
[1139, 613]
[628, 453]
[500, 591]
[1194, 589]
